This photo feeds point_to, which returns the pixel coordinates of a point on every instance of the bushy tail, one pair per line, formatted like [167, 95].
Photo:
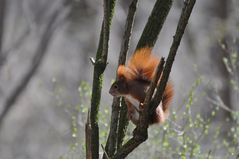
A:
[142, 65]
[162, 111]
[167, 97]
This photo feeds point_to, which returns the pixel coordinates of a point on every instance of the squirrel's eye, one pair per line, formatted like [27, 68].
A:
[115, 86]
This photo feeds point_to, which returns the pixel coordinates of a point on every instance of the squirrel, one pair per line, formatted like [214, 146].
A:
[133, 82]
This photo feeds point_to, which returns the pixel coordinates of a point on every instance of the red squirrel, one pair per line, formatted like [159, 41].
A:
[133, 83]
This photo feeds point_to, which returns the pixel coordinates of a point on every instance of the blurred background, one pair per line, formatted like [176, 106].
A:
[46, 77]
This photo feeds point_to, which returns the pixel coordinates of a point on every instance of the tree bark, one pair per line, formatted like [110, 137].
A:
[141, 131]
[118, 123]
[154, 24]
[88, 131]
[2, 17]
[36, 62]
[99, 67]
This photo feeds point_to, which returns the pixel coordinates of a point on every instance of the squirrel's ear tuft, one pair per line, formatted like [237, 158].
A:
[125, 73]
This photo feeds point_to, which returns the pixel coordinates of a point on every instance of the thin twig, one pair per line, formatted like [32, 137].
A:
[106, 155]
[218, 102]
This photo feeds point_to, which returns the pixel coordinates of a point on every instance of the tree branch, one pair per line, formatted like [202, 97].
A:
[117, 118]
[128, 31]
[2, 17]
[155, 23]
[123, 124]
[154, 82]
[6, 53]
[183, 21]
[99, 67]
[113, 134]
[141, 131]
[36, 62]
[88, 131]
[123, 119]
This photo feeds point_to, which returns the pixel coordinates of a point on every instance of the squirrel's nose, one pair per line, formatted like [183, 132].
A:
[112, 92]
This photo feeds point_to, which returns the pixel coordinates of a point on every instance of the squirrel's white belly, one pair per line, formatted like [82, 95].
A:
[135, 102]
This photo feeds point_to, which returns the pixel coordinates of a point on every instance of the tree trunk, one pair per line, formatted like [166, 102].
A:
[2, 17]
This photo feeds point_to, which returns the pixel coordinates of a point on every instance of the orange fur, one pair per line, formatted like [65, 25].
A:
[125, 72]
[141, 65]
[162, 111]
[167, 96]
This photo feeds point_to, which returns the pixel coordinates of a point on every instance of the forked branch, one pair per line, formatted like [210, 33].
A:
[183, 21]
[99, 66]
[118, 116]
[140, 133]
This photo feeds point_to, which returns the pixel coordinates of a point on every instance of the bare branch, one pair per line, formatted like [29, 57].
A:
[99, 67]
[155, 23]
[218, 102]
[113, 134]
[108, 10]
[20, 40]
[2, 17]
[128, 31]
[88, 131]
[117, 118]
[186, 12]
[128, 147]
[4, 56]
[140, 133]
[154, 82]
[123, 124]
[36, 62]
[106, 155]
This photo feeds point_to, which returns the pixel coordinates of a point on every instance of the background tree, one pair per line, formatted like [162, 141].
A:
[49, 115]
[2, 16]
